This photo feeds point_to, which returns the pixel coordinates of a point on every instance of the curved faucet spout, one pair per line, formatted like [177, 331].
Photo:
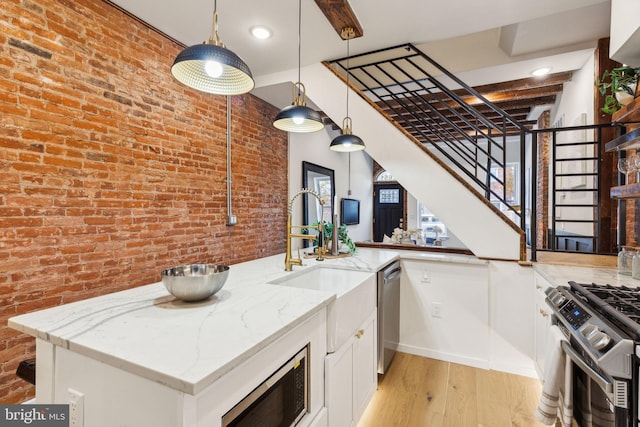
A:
[289, 260]
[304, 191]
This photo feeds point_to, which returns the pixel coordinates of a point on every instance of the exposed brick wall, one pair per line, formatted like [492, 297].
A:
[111, 171]
[542, 184]
[632, 225]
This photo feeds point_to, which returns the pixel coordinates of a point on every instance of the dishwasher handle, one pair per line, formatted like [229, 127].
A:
[392, 275]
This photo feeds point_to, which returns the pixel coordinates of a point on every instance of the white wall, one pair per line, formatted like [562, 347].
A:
[577, 96]
[314, 147]
[576, 107]
[476, 314]
[625, 32]
[511, 318]
[445, 311]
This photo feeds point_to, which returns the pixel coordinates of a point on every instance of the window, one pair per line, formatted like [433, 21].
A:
[389, 196]
[509, 176]
[384, 176]
[431, 226]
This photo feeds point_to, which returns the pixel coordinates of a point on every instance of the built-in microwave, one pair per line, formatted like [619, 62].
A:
[280, 401]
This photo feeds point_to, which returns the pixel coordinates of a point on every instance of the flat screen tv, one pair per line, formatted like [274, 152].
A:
[350, 211]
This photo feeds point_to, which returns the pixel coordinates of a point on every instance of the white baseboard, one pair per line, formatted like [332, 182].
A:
[447, 357]
[527, 370]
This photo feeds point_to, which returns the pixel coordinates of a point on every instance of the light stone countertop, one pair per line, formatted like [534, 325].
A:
[560, 275]
[188, 346]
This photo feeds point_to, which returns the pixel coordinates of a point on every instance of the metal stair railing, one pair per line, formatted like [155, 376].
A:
[574, 222]
[402, 82]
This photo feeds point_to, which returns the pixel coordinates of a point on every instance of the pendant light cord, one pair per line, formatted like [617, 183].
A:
[349, 190]
[348, 72]
[299, 38]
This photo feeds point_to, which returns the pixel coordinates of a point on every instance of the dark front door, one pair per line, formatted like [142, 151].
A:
[388, 209]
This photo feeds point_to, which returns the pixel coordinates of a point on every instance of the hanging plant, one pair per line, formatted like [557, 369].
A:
[616, 82]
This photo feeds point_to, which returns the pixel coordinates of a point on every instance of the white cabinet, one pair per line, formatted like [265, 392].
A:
[164, 406]
[366, 363]
[542, 323]
[351, 375]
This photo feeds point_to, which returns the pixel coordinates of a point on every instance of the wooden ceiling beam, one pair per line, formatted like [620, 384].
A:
[528, 83]
[340, 16]
[516, 98]
[514, 95]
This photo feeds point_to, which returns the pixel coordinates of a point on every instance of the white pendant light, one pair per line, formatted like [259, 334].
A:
[347, 141]
[297, 117]
[212, 68]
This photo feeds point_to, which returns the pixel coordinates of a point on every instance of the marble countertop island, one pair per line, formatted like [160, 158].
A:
[188, 346]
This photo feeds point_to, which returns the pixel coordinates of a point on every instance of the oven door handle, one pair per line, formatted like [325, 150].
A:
[605, 384]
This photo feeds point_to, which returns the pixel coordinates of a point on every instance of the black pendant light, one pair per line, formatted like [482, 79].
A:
[210, 67]
[347, 141]
[297, 117]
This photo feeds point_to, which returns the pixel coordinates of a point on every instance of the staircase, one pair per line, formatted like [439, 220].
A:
[465, 210]
[458, 124]
[458, 153]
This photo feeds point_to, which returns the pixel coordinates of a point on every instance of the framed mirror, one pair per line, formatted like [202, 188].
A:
[322, 181]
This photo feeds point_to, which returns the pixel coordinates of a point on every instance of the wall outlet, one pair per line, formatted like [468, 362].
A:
[436, 309]
[426, 277]
[232, 220]
[76, 408]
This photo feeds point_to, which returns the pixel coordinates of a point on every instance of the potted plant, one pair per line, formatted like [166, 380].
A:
[619, 87]
[343, 236]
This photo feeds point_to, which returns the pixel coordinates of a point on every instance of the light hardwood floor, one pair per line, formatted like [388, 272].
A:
[418, 392]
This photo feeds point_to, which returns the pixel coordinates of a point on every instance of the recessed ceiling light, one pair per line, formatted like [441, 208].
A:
[260, 32]
[541, 71]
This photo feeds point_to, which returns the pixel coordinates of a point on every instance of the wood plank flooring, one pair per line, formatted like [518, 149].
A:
[419, 392]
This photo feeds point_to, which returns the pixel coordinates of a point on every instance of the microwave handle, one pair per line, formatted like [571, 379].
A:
[603, 383]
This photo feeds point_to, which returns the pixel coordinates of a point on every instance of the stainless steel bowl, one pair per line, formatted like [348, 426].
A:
[195, 282]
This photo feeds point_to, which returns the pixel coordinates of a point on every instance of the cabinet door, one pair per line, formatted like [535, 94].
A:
[339, 385]
[365, 364]
[351, 375]
[542, 325]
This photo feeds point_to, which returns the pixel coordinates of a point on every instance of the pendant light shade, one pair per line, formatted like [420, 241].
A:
[212, 68]
[297, 117]
[347, 141]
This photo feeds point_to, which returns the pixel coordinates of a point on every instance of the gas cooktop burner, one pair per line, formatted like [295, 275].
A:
[624, 299]
[618, 303]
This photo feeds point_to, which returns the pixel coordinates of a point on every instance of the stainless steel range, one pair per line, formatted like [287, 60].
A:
[602, 326]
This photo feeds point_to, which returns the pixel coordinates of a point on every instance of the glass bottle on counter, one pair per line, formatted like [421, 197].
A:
[635, 265]
[625, 260]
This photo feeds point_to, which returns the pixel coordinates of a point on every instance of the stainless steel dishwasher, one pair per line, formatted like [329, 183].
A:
[388, 314]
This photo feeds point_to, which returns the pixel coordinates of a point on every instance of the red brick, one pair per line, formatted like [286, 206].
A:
[94, 186]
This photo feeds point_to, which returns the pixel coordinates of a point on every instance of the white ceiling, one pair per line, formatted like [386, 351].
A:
[480, 41]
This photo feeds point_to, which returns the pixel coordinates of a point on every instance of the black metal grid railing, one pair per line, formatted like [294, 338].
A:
[437, 109]
[432, 105]
[574, 222]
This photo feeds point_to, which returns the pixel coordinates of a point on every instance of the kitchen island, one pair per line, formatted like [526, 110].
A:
[192, 361]
[197, 360]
